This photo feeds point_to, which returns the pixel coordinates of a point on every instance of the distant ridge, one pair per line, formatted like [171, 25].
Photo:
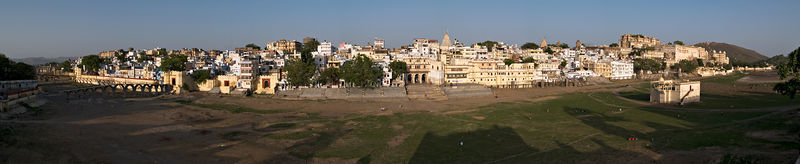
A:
[42, 60]
[735, 53]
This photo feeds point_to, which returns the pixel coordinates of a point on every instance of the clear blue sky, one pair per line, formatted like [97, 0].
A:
[32, 28]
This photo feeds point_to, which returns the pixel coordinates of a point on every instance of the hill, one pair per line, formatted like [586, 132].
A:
[735, 53]
[43, 60]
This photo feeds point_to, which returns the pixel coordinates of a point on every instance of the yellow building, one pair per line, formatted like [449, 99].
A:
[178, 79]
[267, 84]
[494, 73]
[227, 83]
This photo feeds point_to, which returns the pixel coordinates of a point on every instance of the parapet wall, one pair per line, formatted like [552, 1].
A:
[105, 80]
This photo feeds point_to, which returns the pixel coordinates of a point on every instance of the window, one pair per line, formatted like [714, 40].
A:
[265, 84]
[227, 83]
[173, 81]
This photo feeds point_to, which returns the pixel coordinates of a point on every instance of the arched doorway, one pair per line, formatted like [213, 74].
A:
[423, 79]
[408, 79]
[416, 78]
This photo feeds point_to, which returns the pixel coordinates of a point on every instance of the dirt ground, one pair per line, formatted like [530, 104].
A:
[161, 130]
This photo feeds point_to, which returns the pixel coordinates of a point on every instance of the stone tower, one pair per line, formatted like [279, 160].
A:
[544, 42]
[446, 40]
[578, 44]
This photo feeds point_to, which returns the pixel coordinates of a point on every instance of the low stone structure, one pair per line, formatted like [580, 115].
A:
[15, 92]
[673, 91]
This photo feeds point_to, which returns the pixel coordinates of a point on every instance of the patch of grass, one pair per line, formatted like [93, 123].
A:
[233, 136]
[738, 101]
[292, 136]
[727, 79]
[740, 159]
[301, 155]
[636, 95]
[6, 136]
[282, 125]
[229, 107]
[35, 110]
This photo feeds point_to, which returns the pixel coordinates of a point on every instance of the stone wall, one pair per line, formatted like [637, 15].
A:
[342, 93]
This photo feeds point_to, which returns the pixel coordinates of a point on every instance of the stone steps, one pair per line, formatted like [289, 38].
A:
[425, 92]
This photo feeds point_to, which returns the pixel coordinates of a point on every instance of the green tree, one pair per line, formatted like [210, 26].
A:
[528, 60]
[122, 58]
[678, 42]
[174, 62]
[328, 76]
[549, 51]
[299, 72]
[10, 70]
[647, 65]
[563, 64]
[200, 76]
[489, 44]
[65, 66]
[310, 46]
[508, 61]
[361, 72]
[530, 45]
[700, 62]
[564, 45]
[398, 68]
[161, 52]
[613, 45]
[686, 66]
[791, 70]
[254, 46]
[91, 64]
[143, 57]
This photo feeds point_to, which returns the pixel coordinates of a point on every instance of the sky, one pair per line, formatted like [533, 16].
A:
[38, 28]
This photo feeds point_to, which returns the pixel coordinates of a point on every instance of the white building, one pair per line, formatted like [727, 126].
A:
[621, 70]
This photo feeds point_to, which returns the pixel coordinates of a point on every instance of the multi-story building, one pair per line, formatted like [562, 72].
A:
[378, 43]
[637, 41]
[621, 70]
[675, 53]
[494, 73]
[284, 45]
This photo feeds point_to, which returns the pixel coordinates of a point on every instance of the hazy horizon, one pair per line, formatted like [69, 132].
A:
[67, 28]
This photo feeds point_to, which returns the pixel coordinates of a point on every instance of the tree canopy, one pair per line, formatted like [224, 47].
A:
[508, 61]
[361, 72]
[549, 51]
[489, 44]
[613, 45]
[790, 70]
[328, 76]
[174, 62]
[254, 46]
[564, 45]
[686, 66]
[528, 60]
[530, 45]
[91, 64]
[10, 70]
[201, 76]
[398, 68]
[647, 65]
[299, 72]
[678, 42]
[65, 66]
[310, 46]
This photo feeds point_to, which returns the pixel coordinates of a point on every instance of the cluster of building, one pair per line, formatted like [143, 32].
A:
[437, 62]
